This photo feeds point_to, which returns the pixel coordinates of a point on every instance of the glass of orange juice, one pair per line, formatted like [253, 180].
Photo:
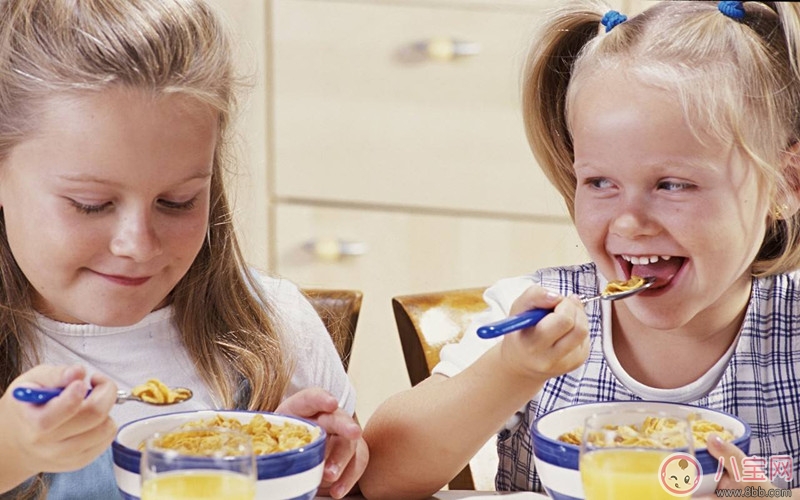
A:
[199, 463]
[638, 454]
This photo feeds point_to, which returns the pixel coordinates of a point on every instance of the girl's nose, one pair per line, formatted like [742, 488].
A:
[633, 220]
[136, 238]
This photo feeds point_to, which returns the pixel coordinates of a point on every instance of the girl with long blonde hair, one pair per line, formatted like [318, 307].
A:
[118, 257]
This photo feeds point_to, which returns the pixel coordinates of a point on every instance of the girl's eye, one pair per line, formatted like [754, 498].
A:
[89, 209]
[598, 182]
[674, 185]
[183, 205]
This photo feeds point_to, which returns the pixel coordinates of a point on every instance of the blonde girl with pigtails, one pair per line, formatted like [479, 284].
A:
[673, 138]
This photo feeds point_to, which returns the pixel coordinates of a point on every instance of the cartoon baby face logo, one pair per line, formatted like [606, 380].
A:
[680, 474]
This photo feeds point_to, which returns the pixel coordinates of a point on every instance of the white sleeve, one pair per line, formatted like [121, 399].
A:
[317, 364]
[453, 358]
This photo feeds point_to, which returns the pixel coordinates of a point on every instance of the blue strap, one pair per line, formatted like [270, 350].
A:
[612, 18]
[734, 10]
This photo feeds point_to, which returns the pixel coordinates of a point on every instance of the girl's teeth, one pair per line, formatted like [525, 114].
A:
[644, 260]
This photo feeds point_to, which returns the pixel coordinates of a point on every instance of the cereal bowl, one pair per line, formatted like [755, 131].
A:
[291, 474]
[557, 462]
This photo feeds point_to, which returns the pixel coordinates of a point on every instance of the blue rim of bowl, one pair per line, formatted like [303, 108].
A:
[554, 454]
[269, 466]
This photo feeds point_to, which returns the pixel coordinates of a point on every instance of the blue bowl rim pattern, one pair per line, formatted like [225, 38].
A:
[269, 466]
[571, 460]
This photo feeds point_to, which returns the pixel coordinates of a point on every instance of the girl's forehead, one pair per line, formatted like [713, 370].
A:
[121, 136]
[123, 111]
[595, 86]
[622, 110]
[714, 102]
[660, 103]
[110, 98]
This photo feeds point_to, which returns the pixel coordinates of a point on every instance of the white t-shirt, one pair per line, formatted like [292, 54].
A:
[151, 348]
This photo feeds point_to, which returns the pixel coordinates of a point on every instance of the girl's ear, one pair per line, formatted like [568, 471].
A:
[790, 165]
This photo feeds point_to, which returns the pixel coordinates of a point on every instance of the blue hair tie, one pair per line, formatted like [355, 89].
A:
[612, 18]
[734, 10]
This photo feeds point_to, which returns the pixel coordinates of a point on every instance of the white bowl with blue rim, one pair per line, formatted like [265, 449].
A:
[294, 474]
[557, 462]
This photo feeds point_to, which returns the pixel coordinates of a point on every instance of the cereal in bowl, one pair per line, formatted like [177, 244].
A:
[267, 437]
[652, 433]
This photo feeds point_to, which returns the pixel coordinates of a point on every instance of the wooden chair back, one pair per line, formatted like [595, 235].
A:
[339, 310]
[427, 322]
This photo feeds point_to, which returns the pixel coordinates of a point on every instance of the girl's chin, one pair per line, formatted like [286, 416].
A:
[658, 323]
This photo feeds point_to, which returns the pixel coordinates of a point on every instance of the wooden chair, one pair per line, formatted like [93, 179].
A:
[426, 322]
[339, 310]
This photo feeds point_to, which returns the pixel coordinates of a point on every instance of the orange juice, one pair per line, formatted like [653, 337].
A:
[199, 485]
[615, 474]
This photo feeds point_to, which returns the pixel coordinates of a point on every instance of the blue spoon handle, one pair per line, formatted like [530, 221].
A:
[512, 323]
[38, 396]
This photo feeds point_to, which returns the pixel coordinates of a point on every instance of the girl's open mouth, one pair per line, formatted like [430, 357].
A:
[661, 267]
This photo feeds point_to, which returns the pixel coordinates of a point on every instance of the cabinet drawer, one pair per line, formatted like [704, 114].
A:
[409, 254]
[356, 121]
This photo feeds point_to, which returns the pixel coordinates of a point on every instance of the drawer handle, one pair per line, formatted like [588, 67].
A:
[440, 49]
[330, 249]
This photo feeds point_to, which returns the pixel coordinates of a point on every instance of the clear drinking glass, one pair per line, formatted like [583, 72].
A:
[222, 468]
[638, 454]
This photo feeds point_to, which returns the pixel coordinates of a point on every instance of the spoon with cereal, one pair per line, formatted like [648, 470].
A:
[614, 290]
[154, 392]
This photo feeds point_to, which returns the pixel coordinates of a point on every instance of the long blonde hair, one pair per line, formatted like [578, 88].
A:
[734, 79]
[164, 46]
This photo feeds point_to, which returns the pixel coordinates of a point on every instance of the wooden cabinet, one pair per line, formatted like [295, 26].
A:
[382, 140]
[362, 133]
[365, 112]
[362, 129]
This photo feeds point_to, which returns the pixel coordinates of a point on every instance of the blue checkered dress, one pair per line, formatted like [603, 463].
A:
[760, 383]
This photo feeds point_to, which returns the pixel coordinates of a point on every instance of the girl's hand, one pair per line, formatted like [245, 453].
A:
[558, 344]
[346, 451]
[64, 434]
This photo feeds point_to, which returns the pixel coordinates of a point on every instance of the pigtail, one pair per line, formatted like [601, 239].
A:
[780, 250]
[547, 74]
[789, 14]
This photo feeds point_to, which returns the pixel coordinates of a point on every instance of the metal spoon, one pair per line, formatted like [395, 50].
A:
[43, 395]
[532, 317]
